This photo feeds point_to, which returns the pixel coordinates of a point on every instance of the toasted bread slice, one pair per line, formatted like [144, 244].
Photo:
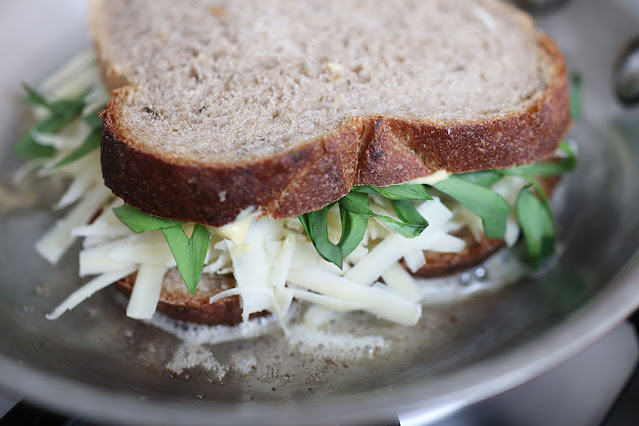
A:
[178, 303]
[475, 252]
[282, 106]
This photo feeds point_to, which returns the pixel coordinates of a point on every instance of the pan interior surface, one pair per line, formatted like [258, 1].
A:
[96, 361]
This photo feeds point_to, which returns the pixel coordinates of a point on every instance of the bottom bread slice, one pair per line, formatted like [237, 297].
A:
[475, 252]
[177, 302]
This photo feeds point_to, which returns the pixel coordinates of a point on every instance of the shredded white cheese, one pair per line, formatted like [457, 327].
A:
[146, 291]
[251, 267]
[431, 179]
[88, 290]
[415, 259]
[333, 303]
[59, 239]
[402, 282]
[237, 230]
[394, 246]
[384, 304]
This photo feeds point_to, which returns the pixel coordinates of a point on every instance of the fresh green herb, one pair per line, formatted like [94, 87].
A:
[305, 219]
[33, 97]
[28, 147]
[59, 107]
[353, 227]
[355, 203]
[139, 222]
[488, 205]
[62, 113]
[189, 253]
[470, 189]
[483, 178]
[316, 226]
[91, 142]
[532, 208]
[354, 213]
[537, 225]
[544, 168]
[547, 168]
[407, 212]
[408, 230]
[397, 192]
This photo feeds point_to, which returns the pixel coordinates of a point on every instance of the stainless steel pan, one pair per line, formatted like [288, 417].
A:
[99, 364]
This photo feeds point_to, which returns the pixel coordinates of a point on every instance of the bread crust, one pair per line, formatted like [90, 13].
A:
[195, 308]
[475, 252]
[365, 151]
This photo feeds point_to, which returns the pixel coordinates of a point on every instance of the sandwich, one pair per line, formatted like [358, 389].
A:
[253, 153]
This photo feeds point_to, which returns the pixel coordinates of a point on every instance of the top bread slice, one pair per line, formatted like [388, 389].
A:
[281, 106]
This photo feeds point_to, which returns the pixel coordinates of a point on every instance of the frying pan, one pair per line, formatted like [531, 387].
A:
[97, 363]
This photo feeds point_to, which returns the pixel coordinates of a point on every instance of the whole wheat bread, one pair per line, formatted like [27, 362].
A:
[283, 105]
[176, 301]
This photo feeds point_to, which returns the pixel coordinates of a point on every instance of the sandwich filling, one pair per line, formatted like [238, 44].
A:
[348, 256]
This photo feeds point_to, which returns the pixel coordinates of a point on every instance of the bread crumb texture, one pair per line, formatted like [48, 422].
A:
[247, 79]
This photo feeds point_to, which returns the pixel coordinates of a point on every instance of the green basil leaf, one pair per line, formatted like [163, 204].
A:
[488, 205]
[565, 147]
[68, 106]
[28, 147]
[541, 169]
[547, 168]
[484, 178]
[58, 107]
[91, 143]
[356, 203]
[33, 97]
[537, 225]
[407, 212]
[63, 112]
[306, 223]
[570, 161]
[353, 225]
[189, 253]
[318, 226]
[61, 106]
[397, 192]
[138, 222]
[408, 230]
[56, 122]
[354, 213]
